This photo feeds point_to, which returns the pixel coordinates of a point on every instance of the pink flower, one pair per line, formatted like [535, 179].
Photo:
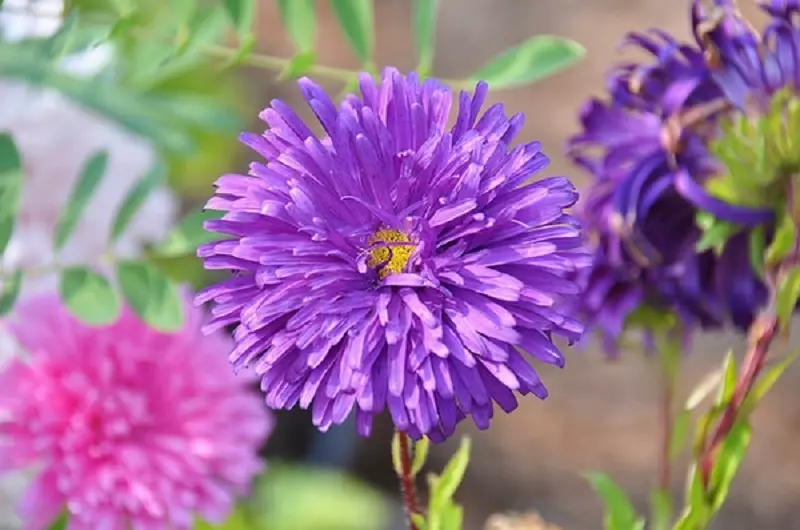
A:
[132, 428]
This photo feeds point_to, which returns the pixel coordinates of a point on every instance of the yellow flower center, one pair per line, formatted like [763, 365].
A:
[391, 252]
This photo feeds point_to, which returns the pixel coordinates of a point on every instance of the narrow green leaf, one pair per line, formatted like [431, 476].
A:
[189, 234]
[452, 517]
[452, 475]
[58, 44]
[299, 20]
[87, 183]
[788, 294]
[783, 241]
[766, 381]
[530, 61]
[619, 512]
[397, 457]
[242, 13]
[420, 521]
[246, 46]
[728, 379]
[704, 388]
[298, 66]
[135, 198]
[421, 449]
[660, 509]
[716, 236]
[11, 285]
[680, 431]
[727, 462]
[697, 512]
[756, 249]
[10, 186]
[60, 523]
[357, 20]
[151, 295]
[424, 19]
[89, 296]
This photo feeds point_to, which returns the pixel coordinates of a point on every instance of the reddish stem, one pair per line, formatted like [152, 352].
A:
[762, 334]
[407, 487]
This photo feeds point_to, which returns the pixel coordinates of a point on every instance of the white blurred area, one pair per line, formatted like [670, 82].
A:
[55, 138]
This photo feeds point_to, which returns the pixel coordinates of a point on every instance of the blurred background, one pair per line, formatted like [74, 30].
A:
[601, 414]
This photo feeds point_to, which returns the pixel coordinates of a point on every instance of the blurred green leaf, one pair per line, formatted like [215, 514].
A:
[238, 520]
[530, 61]
[680, 431]
[357, 20]
[727, 462]
[756, 249]
[424, 20]
[704, 388]
[421, 449]
[189, 234]
[788, 294]
[89, 296]
[11, 287]
[716, 233]
[661, 509]
[10, 187]
[299, 20]
[420, 521]
[299, 65]
[696, 513]
[729, 379]
[769, 376]
[151, 295]
[651, 318]
[134, 200]
[619, 512]
[60, 523]
[452, 475]
[306, 498]
[88, 181]
[58, 44]
[452, 517]
[397, 455]
[783, 241]
[242, 13]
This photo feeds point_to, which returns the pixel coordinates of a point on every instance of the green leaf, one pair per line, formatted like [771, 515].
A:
[10, 186]
[661, 509]
[88, 181]
[299, 20]
[452, 517]
[89, 296]
[242, 13]
[189, 234]
[397, 457]
[298, 66]
[769, 376]
[237, 520]
[756, 248]
[530, 61]
[452, 475]
[421, 449]
[788, 294]
[299, 497]
[704, 388]
[60, 523]
[151, 295]
[357, 20]
[424, 19]
[59, 44]
[11, 285]
[680, 432]
[619, 512]
[729, 379]
[783, 241]
[727, 462]
[716, 236]
[420, 521]
[134, 200]
[697, 511]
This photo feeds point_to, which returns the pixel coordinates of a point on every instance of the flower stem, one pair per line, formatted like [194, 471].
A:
[667, 420]
[407, 487]
[762, 333]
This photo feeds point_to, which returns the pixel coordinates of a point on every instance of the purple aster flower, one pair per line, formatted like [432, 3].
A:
[647, 149]
[395, 263]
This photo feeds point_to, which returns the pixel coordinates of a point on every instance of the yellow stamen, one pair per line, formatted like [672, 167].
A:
[389, 258]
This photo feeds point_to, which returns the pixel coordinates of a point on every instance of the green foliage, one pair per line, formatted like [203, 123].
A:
[727, 462]
[715, 233]
[784, 240]
[135, 199]
[424, 21]
[299, 19]
[242, 13]
[151, 295]
[420, 455]
[660, 510]
[788, 295]
[530, 61]
[89, 296]
[619, 512]
[188, 234]
[443, 512]
[10, 185]
[357, 20]
[11, 287]
[90, 177]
